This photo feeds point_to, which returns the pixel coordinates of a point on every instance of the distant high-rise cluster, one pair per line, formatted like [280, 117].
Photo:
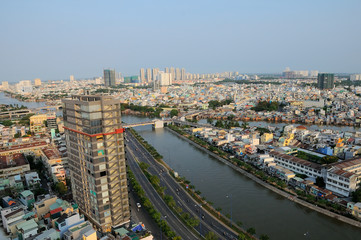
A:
[325, 81]
[287, 73]
[355, 77]
[149, 75]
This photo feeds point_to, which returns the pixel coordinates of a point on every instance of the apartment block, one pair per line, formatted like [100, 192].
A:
[95, 143]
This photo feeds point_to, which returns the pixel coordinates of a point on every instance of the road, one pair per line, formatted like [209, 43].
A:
[207, 221]
[141, 215]
[175, 224]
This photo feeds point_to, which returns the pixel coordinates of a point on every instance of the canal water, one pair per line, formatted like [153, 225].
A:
[248, 202]
[7, 100]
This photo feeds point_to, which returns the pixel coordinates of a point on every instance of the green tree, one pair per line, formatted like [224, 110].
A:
[245, 125]
[264, 237]
[210, 121]
[173, 112]
[144, 166]
[356, 195]
[211, 236]
[320, 182]
[251, 230]
[329, 159]
[219, 124]
[7, 123]
[17, 135]
[61, 188]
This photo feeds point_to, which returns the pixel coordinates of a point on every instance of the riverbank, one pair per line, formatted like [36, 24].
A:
[289, 196]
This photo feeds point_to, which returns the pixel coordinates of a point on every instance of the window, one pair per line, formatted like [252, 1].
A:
[104, 173]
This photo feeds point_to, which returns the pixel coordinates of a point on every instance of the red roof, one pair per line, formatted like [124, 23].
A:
[56, 210]
[301, 127]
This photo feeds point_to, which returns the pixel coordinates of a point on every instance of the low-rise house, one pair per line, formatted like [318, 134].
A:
[42, 206]
[10, 215]
[280, 172]
[82, 231]
[27, 229]
[297, 165]
[344, 177]
[27, 198]
[65, 221]
[50, 234]
[32, 179]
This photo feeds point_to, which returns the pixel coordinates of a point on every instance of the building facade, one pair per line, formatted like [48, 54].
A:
[325, 81]
[109, 77]
[96, 156]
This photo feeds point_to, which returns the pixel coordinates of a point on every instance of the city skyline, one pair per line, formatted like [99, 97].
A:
[248, 37]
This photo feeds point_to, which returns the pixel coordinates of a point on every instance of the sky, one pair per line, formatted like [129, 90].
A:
[52, 40]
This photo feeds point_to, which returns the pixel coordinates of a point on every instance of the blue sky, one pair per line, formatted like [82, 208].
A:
[54, 39]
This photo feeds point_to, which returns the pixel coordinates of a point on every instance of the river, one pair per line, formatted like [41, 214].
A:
[8, 100]
[249, 202]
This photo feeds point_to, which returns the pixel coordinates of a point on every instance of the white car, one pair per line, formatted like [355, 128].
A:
[138, 205]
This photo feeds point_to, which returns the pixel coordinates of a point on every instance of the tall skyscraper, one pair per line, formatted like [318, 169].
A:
[172, 72]
[183, 74]
[149, 75]
[142, 75]
[109, 77]
[325, 81]
[177, 74]
[37, 82]
[71, 78]
[95, 142]
[155, 73]
[166, 70]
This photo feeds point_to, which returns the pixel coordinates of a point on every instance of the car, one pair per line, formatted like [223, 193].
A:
[138, 205]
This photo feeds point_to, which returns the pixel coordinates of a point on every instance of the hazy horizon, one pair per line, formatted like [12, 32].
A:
[53, 40]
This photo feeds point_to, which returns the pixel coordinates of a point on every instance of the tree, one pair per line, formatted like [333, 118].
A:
[61, 188]
[210, 121]
[7, 123]
[329, 159]
[173, 112]
[219, 124]
[245, 125]
[251, 230]
[264, 237]
[356, 195]
[320, 182]
[211, 236]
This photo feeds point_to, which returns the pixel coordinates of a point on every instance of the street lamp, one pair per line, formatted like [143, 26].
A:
[230, 199]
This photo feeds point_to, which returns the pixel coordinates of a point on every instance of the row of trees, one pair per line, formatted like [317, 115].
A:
[266, 106]
[157, 217]
[214, 103]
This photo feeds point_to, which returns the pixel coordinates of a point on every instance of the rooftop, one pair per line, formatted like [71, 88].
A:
[25, 145]
[17, 159]
[28, 225]
[296, 160]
